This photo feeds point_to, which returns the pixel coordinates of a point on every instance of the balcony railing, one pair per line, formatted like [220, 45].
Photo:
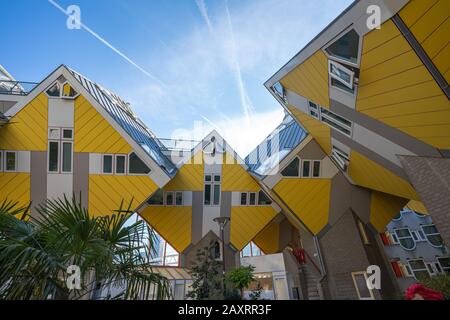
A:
[21, 88]
[178, 144]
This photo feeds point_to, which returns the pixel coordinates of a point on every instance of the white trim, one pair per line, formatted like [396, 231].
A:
[62, 156]
[62, 96]
[354, 274]
[400, 238]
[431, 234]
[62, 134]
[58, 153]
[125, 172]
[54, 128]
[351, 73]
[339, 36]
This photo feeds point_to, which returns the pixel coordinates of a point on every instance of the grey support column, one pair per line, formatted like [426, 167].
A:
[38, 184]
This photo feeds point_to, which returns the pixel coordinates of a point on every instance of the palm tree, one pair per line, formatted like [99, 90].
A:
[112, 251]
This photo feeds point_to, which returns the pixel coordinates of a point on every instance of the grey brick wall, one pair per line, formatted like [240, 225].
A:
[431, 179]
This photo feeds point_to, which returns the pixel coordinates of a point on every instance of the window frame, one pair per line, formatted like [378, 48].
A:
[112, 163]
[262, 205]
[403, 237]
[444, 269]
[288, 164]
[58, 162]
[354, 274]
[309, 169]
[419, 270]
[56, 82]
[212, 183]
[137, 174]
[246, 198]
[62, 96]
[125, 171]
[431, 234]
[62, 133]
[351, 73]
[176, 193]
[1, 160]
[61, 159]
[341, 158]
[255, 199]
[5, 161]
[340, 35]
[166, 195]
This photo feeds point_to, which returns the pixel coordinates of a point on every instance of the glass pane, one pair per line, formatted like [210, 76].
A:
[306, 168]
[10, 161]
[207, 194]
[53, 156]
[120, 164]
[107, 164]
[256, 251]
[316, 169]
[156, 198]
[346, 47]
[407, 243]
[292, 169]
[208, 178]
[263, 199]
[179, 198]
[403, 233]
[137, 166]
[67, 157]
[246, 252]
[252, 201]
[217, 178]
[430, 229]
[340, 73]
[169, 199]
[54, 91]
[216, 194]
[67, 134]
[435, 240]
[243, 199]
[445, 262]
[336, 83]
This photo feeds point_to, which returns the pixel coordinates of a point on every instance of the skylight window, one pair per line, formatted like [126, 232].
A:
[54, 90]
[346, 47]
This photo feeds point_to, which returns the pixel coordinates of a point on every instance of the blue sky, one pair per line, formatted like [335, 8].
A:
[208, 59]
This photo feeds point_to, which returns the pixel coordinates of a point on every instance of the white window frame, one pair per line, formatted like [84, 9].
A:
[431, 234]
[336, 122]
[246, 199]
[62, 91]
[59, 133]
[310, 168]
[112, 164]
[16, 162]
[400, 238]
[341, 158]
[343, 33]
[351, 74]
[287, 165]
[175, 198]
[61, 151]
[125, 164]
[1, 160]
[320, 169]
[137, 174]
[315, 109]
[212, 183]
[444, 270]
[412, 269]
[62, 133]
[166, 194]
[58, 164]
[256, 199]
[50, 86]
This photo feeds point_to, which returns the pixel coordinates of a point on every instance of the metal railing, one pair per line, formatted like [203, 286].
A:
[21, 88]
[178, 144]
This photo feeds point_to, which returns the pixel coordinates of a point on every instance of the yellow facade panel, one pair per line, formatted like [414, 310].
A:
[310, 79]
[309, 199]
[247, 222]
[390, 31]
[369, 174]
[174, 224]
[417, 206]
[268, 240]
[189, 177]
[15, 187]
[93, 133]
[319, 131]
[27, 130]
[442, 62]
[106, 192]
[415, 9]
[430, 21]
[235, 178]
[383, 208]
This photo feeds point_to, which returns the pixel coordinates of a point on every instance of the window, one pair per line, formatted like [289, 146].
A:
[314, 110]
[1, 161]
[120, 164]
[346, 47]
[340, 157]
[53, 156]
[169, 199]
[306, 168]
[444, 264]
[418, 268]
[179, 198]
[10, 161]
[212, 189]
[251, 250]
[215, 251]
[243, 198]
[335, 121]
[278, 89]
[54, 90]
[316, 169]
[263, 199]
[341, 74]
[107, 164]
[66, 157]
[157, 198]
[252, 199]
[292, 169]
[136, 165]
[433, 235]
[360, 283]
[60, 150]
[68, 92]
[405, 239]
